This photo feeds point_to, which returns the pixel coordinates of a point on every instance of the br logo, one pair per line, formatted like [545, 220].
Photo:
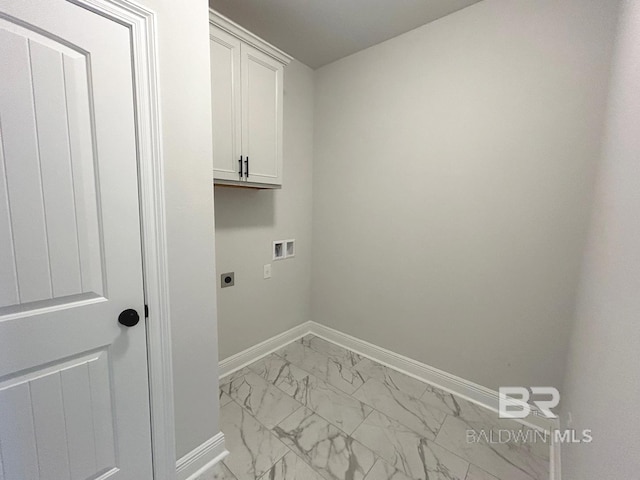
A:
[514, 401]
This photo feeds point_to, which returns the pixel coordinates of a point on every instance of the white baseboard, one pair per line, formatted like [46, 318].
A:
[459, 386]
[201, 459]
[463, 388]
[251, 354]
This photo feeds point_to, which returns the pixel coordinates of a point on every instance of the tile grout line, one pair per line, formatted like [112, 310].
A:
[419, 399]
[348, 435]
[328, 357]
[373, 409]
[290, 362]
[329, 423]
[469, 461]
[364, 420]
[352, 394]
[309, 374]
[268, 430]
[293, 451]
[359, 387]
[446, 412]
[419, 435]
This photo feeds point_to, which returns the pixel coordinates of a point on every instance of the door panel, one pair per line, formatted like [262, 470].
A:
[67, 431]
[21, 160]
[262, 115]
[43, 177]
[74, 398]
[225, 103]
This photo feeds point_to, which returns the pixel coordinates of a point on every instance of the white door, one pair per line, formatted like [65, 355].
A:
[225, 105]
[262, 105]
[74, 395]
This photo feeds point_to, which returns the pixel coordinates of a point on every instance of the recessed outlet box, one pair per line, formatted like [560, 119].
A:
[278, 250]
[227, 280]
[290, 248]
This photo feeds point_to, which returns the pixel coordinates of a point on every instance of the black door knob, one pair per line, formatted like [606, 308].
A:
[129, 317]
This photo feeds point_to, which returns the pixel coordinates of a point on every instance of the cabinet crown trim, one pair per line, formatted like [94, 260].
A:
[220, 21]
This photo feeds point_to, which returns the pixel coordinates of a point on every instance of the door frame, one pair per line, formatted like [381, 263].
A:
[142, 24]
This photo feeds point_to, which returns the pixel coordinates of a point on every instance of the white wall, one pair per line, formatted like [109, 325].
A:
[183, 35]
[602, 388]
[248, 221]
[452, 180]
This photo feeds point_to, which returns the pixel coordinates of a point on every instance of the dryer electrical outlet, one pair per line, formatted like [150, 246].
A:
[227, 280]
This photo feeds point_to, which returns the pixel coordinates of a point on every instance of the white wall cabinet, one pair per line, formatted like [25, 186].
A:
[247, 106]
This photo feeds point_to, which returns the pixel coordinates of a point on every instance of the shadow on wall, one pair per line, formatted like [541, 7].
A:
[244, 208]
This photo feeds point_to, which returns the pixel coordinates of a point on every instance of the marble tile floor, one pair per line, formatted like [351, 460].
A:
[316, 411]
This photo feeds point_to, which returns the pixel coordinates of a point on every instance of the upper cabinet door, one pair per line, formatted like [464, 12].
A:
[225, 104]
[262, 108]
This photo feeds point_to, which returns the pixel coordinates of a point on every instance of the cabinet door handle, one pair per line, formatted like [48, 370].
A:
[240, 167]
[246, 167]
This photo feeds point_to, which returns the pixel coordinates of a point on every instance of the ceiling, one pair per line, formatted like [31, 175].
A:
[318, 32]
